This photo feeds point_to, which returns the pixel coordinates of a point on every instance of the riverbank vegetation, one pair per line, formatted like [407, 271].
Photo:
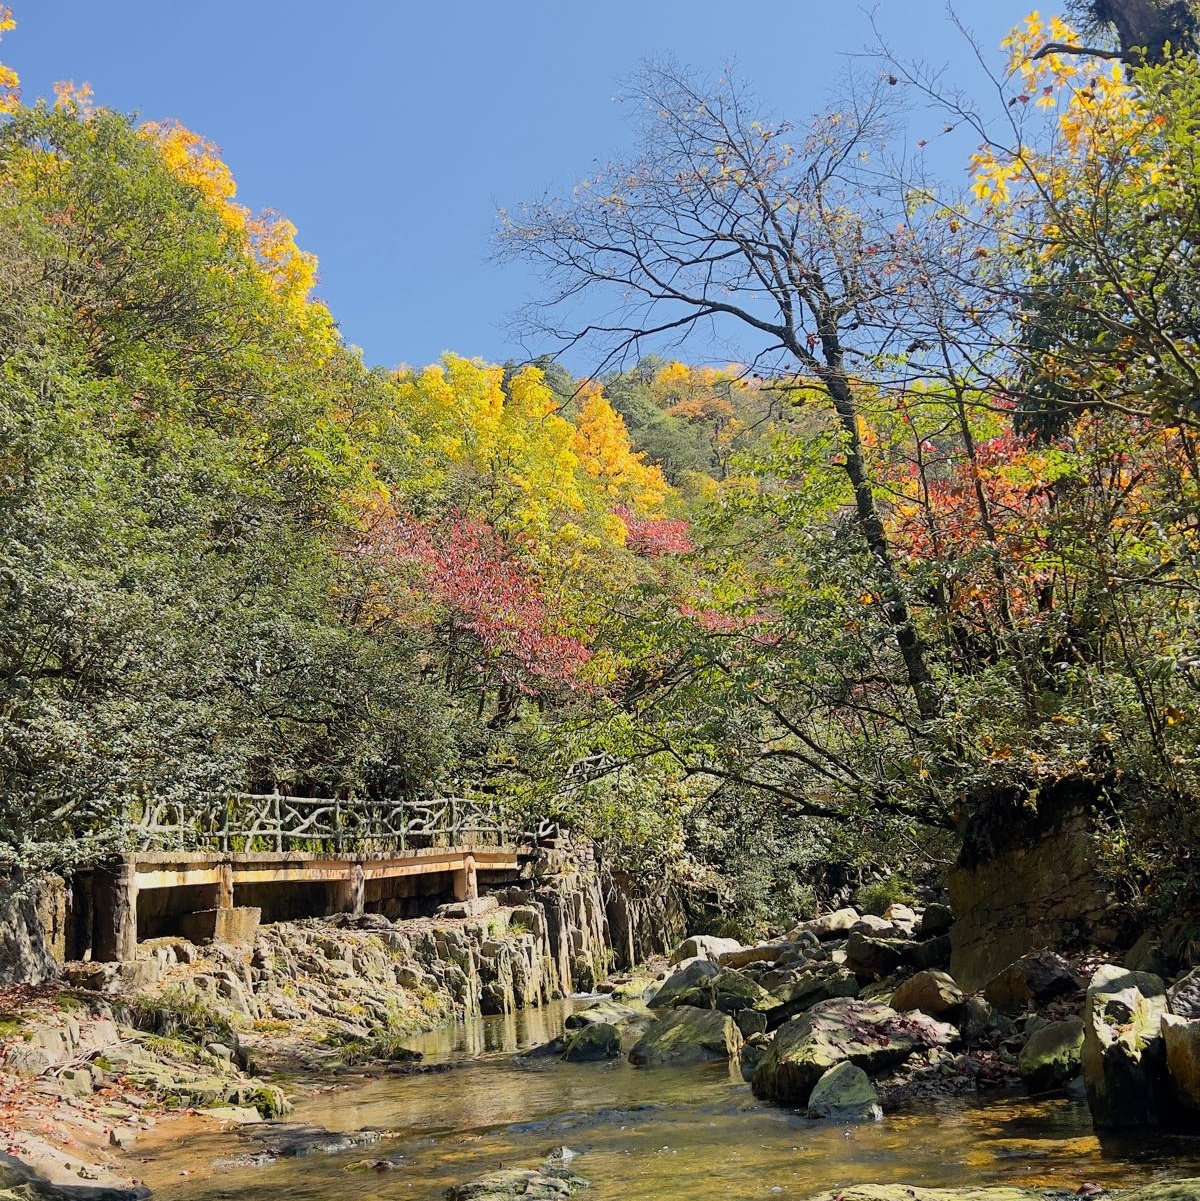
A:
[932, 542]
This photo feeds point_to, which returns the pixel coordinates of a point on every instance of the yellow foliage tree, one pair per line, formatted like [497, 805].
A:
[270, 238]
[603, 447]
[505, 455]
[10, 96]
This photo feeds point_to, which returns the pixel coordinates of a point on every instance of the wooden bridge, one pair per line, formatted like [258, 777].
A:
[213, 869]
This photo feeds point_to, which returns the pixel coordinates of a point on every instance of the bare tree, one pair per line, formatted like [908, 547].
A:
[727, 219]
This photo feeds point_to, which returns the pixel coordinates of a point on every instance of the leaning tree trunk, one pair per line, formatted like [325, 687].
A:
[1146, 28]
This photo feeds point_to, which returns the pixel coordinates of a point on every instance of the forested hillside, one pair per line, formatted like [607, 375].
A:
[934, 541]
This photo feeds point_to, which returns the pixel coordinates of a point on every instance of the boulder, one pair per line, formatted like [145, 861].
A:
[869, 1035]
[1033, 979]
[932, 992]
[753, 1050]
[235, 927]
[937, 919]
[1181, 1041]
[1183, 997]
[79, 1082]
[901, 915]
[637, 989]
[1051, 1057]
[686, 1035]
[931, 953]
[704, 946]
[548, 1183]
[763, 952]
[1124, 1058]
[727, 991]
[828, 925]
[873, 958]
[845, 1094]
[593, 1042]
[607, 1013]
[751, 1021]
[801, 994]
[1165, 1190]
[878, 927]
[1146, 955]
[682, 981]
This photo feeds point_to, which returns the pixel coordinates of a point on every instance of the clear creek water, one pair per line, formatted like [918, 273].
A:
[660, 1135]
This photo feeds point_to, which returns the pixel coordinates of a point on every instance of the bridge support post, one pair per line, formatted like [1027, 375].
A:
[114, 912]
[466, 882]
[225, 886]
[350, 895]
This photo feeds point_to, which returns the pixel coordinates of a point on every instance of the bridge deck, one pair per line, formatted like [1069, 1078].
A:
[168, 869]
[197, 892]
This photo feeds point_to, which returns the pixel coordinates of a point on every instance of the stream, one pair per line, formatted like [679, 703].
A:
[643, 1135]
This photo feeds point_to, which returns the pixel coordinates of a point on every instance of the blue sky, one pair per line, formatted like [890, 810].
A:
[390, 132]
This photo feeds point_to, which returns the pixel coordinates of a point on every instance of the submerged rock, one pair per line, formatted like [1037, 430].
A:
[593, 1042]
[548, 1183]
[289, 1140]
[687, 1035]
[845, 1094]
[1166, 1190]
[1051, 1057]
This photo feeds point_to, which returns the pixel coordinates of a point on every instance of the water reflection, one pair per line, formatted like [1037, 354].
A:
[654, 1135]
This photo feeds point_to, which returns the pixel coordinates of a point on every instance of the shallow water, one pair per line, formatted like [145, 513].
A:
[660, 1135]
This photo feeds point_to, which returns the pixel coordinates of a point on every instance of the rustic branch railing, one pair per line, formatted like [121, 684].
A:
[331, 825]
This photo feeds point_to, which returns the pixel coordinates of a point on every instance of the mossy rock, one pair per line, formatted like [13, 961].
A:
[638, 990]
[860, 1032]
[1050, 1059]
[845, 1094]
[728, 991]
[592, 1043]
[687, 1035]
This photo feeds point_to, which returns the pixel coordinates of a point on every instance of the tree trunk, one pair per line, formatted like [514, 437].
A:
[1145, 28]
[908, 642]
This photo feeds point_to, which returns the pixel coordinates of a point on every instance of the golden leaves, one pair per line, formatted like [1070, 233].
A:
[10, 96]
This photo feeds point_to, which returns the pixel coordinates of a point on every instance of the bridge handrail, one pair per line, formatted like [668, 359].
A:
[239, 822]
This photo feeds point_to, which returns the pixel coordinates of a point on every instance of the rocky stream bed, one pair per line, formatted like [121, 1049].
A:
[839, 1053]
